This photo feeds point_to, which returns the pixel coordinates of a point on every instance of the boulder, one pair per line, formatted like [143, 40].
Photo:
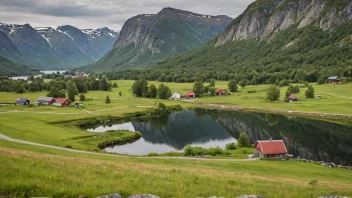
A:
[250, 196]
[144, 196]
[111, 196]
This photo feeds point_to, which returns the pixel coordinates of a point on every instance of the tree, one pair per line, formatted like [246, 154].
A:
[56, 93]
[212, 83]
[137, 88]
[71, 90]
[310, 92]
[321, 80]
[153, 91]
[243, 141]
[198, 88]
[233, 86]
[164, 92]
[115, 85]
[283, 83]
[212, 91]
[20, 89]
[107, 100]
[243, 83]
[82, 97]
[273, 93]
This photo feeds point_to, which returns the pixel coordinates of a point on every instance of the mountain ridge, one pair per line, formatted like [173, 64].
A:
[149, 38]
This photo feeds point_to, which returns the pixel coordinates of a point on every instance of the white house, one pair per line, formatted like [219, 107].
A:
[175, 96]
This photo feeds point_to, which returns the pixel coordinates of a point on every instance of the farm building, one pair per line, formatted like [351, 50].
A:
[42, 100]
[175, 96]
[334, 80]
[220, 92]
[62, 102]
[190, 94]
[22, 101]
[270, 149]
[293, 97]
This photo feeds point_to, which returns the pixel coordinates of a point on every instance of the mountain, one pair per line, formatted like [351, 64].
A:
[9, 68]
[276, 39]
[7, 48]
[61, 47]
[149, 38]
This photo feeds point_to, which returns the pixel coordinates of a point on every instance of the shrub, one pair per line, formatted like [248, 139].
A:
[231, 146]
[243, 141]
[313, 182]
[82, 97]
[153, 154]
[252, 91]
[107, 100]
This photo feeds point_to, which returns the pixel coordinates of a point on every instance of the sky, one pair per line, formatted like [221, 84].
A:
[86, 14]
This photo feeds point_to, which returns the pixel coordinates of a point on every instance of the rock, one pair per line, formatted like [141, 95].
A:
[299, 157]
[332, 196]
[111, 196]
[250, 196]
[144, 196]
[83, 196]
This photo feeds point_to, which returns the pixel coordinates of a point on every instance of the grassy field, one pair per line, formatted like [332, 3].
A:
[60, 173]
[50, 172]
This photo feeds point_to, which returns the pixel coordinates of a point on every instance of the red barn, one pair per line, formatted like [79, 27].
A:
[334, 80]
[270, 149]
[62, 102]
[190, 94]
[220, 92]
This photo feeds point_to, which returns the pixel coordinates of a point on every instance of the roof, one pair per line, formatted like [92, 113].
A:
[188, 93]
[47, 99]
[333, 78]
[271, 147]
[220, 91]
[21, 99]
[61, 100]
[292, 96]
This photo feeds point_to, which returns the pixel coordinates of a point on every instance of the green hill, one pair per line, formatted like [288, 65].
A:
[9, 68]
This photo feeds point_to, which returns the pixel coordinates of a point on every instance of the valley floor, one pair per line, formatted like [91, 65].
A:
[32, 170]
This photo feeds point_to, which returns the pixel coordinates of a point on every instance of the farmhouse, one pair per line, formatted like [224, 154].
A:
[62, 102]
[293, 97]
[175, 96]
[220, 92]
[22, 101]
[334, 80]
[270, 149]
[42, 100]
[189, 94]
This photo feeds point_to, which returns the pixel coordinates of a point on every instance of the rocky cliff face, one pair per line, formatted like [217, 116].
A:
[145, 39]
[55, 47]
[263, 19]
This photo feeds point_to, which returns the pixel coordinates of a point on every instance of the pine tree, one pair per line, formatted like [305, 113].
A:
[71, 90]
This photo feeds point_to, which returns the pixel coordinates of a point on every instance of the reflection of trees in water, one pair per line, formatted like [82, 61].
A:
[312, 139]
[182, 128]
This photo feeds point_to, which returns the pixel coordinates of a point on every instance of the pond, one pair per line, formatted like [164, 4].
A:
[311, 139]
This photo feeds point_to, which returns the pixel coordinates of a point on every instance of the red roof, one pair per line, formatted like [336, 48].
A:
[61, 100]
[292, 96]
[220, 91]
[189, 93]
[271, 147]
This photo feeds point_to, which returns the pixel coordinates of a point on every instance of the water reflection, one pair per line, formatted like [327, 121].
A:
[308, 138]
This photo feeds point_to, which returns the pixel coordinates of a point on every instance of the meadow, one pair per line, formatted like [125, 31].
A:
[57, 173]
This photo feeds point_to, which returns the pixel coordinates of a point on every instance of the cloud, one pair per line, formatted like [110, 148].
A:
[100, 13]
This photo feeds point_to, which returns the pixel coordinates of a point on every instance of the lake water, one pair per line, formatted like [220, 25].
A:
[45, 72]
[311, 139]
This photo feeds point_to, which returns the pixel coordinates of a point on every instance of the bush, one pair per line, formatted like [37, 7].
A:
[253, 91]
[243, 141]
[115, 85]
[107, 100]
[273, 93]
[310, 92]
[313, 182]
[231, 146]
[82, 97]
[153, 154]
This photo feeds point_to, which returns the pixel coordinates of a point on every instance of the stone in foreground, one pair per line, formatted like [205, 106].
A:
[111, 196]
[144, 196]
[250, 196]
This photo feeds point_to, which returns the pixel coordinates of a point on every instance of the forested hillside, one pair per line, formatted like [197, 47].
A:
[272, 40]
[9, 68]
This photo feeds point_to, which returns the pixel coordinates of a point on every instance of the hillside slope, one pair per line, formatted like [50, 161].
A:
[274, 40]
[146, 39]
[9, 68]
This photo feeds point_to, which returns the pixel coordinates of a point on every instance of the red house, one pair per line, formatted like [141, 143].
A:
[334, 80]
[270, 149]
[293, 97]
[189, 94]
[62, 102]
[220, 92]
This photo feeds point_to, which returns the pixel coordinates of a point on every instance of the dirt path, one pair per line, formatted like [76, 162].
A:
[238, 108]
[3, 137]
